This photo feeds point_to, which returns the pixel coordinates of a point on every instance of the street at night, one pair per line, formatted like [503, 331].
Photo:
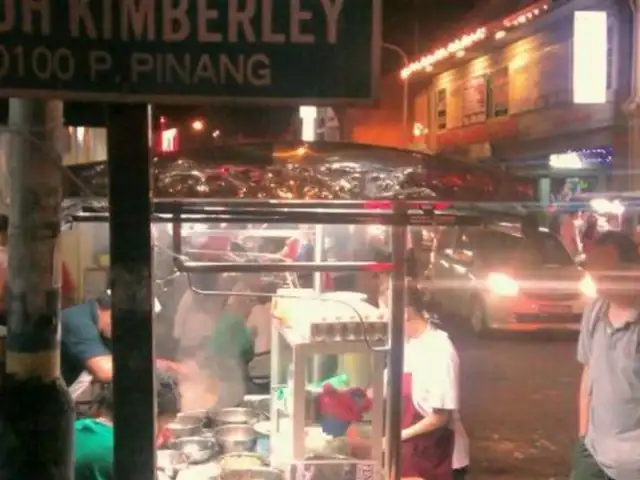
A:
[225, 229]
[518, 404]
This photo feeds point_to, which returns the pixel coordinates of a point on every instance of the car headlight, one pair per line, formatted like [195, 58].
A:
[502, 284]
[376, 230]
[588, 287]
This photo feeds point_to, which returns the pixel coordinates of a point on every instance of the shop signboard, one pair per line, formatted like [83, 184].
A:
[474, 101]
[186, 51]
[499, 92]
[441, 108]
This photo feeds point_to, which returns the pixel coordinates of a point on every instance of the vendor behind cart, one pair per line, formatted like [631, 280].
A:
[86, 341]
[434, 443]
[93, 439]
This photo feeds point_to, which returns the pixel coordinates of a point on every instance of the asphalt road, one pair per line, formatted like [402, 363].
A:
[518, 404]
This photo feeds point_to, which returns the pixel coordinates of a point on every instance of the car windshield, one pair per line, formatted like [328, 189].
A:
[543, 249]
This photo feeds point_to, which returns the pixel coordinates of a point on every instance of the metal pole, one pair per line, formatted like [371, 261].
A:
[405, 106]
[318, 361]
[416, 28]
[130, 247]
[633, 108]
[38, 411]
[405, 86]
[395, 367]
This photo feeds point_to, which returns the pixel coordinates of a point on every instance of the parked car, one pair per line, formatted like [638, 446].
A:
[497, 279]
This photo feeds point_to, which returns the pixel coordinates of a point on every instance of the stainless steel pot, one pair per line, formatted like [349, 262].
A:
[237, 416]
[196, 449]
[260, 403]
[236, 438]
[204, 415]
[170, 463]
[185, 426]
[263, 473]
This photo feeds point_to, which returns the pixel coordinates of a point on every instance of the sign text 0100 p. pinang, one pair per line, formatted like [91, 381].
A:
[277, 51]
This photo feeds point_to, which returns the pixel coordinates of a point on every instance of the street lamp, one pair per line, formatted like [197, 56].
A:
[197, 125]
[405, 90]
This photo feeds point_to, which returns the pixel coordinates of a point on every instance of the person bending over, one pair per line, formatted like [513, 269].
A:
[93, 442]
[86, 341]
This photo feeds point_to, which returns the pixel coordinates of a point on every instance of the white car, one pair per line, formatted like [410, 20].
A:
[499, 280]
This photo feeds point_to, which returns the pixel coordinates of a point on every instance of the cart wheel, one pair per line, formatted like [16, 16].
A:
[478, 318]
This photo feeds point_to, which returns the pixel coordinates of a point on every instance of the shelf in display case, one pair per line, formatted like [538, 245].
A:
[334, 470]
[292, 449]
[336, 346]
[306, 317]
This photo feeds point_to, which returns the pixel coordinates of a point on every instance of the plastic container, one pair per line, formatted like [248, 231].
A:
[334, 427]
[263, 442]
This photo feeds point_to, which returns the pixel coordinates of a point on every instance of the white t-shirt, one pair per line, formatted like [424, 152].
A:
[193, 323]
[432, 361]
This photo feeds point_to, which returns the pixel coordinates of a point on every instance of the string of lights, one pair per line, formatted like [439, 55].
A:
[466, 41]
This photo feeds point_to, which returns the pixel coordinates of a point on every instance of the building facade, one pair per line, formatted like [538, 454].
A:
[504, 93]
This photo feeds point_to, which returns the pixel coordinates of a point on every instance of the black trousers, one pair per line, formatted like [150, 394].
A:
[584, 466]
[460, 473]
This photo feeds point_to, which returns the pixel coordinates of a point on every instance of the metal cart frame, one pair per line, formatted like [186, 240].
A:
[397, 214]
[129, 210]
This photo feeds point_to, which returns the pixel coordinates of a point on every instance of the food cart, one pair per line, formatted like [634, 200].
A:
[320, 185]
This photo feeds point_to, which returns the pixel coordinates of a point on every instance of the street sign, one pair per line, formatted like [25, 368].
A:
[191, 51]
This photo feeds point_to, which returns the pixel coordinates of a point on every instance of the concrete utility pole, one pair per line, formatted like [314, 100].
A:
[37, 409]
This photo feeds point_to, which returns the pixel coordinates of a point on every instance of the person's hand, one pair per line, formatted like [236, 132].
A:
[171, 367]
[189, 368]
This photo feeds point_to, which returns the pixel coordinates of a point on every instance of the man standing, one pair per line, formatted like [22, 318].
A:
[609, 350]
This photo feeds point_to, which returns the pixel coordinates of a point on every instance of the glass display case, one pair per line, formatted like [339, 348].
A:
[298, 219]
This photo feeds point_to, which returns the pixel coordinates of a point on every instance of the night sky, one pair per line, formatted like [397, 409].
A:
[413, 25]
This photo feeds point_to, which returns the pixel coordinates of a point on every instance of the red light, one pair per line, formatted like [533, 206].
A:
[377, 205]
[169, 140]
[439, 206]
[380, 267]
[453, 181]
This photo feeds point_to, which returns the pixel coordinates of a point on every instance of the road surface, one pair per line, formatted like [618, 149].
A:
[518, 404]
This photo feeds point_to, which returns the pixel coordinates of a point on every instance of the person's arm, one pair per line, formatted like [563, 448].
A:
[437, 393]
[81, 341]
[3, 282]
[584, 402]
[584, 354]
[67, 287]
[100, 367]
[438, 418]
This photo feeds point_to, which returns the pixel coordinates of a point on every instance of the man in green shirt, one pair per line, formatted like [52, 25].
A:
[93, 443]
